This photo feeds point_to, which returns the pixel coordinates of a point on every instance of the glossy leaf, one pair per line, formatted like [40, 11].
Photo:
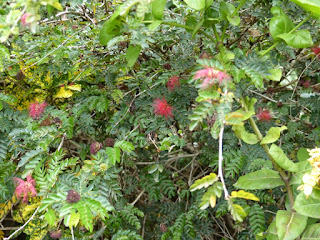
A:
[272, 233]
[281, 159]
[307, 206]
[261, 179]
[276, 74]
[111, 28]
[312, 6]
[272, 135]
[280, 23]
[297, 39]
[302, 154]
[312, 232]
[196, 4]
[242, 134]
[158, 8]
[226, 11]
[290, 224]
[132, 54]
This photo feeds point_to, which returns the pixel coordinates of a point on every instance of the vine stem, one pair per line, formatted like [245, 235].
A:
[20, 228]
[220, 173]
[282, 173]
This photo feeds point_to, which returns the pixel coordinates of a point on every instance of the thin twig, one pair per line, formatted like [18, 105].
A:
[20, 228]
[138, 197]
[48, 54]
[62, 140]
[220, 173]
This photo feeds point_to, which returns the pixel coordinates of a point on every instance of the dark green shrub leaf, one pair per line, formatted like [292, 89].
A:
[290, 224]
[261, 179]
[281, 159]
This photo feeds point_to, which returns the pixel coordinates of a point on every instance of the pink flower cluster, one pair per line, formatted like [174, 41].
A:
[36, 109]
[25, 187]
[173, 83]
[211, 76]
[162, 108]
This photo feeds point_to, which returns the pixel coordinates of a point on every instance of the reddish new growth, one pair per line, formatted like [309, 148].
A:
[161, 107]
[36, 109]
[173, 83]
[57, 234]
[24, 19]
[25, 188]
[264, 115]
[316, 50]
[73, 196]
[95, 147]
[211, 76]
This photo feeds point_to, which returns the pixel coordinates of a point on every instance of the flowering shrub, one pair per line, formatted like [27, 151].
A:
[162, 108]
[173, 83]
[36, 109]
[25, 188]
[210, 76]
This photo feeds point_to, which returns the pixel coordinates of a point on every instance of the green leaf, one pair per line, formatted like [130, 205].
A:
[236, 211]
[4, 56]
[1, 106]
[207, 95]
[124, 146]
[193, 125]
[50, 216]
[204, 182]
[297, 39]
[132, 54]
[312, 6]
[154, 25]
[312, 232]
[307, 206]
[210, 197]
[290, 224]
[56, 5]
[261, 179]
[281, 159]
[86, 217]
[196, 4]
[114, 154]
[158, 8]
[197, 27]
[272, 231]
[111, 28]
[29, 155]
[272, 135]
[276, 74]
[73, 220]
[302, 154]
[280, 23]
[226, 11]
[242, 134]
[303, 167]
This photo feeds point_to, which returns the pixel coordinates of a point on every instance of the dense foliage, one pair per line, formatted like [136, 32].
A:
[159, 119]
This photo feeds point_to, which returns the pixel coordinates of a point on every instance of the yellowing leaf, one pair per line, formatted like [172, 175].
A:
[212, 201]
[204, 182]
[75, 87]
[28, 209]
[245, 195]
[64, 93]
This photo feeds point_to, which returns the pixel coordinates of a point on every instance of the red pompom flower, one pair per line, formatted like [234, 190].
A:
[24, 19]
[25, 188]
[173, 83]
[211, 76]
[162, 108]
[264, 115]
[316, 50]
[36, 109]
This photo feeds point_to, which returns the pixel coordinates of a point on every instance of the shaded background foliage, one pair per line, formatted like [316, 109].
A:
[145, 192]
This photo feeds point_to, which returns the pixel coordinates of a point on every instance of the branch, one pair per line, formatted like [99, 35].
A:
[20, 228]
[220, 173]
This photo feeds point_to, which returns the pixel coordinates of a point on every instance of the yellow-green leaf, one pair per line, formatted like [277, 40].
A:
[204, 182]
[272, 135]
[242, 134]
[245, 195]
